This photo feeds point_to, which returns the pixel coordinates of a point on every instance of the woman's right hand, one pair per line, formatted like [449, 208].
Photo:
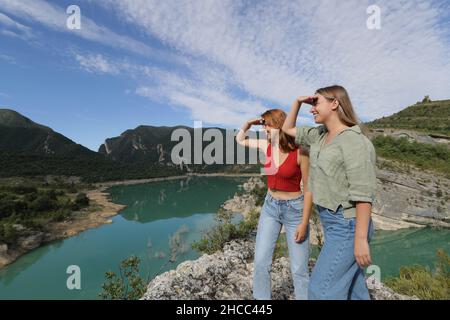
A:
[306, 99]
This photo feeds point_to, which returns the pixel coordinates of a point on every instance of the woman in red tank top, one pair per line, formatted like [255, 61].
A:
[286, 204]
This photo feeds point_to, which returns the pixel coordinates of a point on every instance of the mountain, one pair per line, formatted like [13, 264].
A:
[144, 143]
[150, 144]
[431, 117]
[31, 149]
[11, 118]
[22, 135]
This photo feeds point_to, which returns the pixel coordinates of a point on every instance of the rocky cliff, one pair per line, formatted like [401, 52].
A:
[228, 275]
[404, 199]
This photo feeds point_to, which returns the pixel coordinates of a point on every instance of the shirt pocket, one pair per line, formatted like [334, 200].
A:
[330, 162]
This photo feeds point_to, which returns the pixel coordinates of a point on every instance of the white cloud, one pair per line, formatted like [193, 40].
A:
[54, 17]
[12, 28]
[204, 93]
[275, 50]
[96, 63]
[212, 106]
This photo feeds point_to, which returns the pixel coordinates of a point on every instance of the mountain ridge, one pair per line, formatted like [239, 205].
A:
[431, 117]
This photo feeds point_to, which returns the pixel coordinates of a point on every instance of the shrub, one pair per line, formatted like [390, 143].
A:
[44, 202]
[8, 234]
[259, 193]
[7, 208]
[129, 285]
[60, 215]
[420, 281]
[23, 189]
[225, 231]
[82, 200]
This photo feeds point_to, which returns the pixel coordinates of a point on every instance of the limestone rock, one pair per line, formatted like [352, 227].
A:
[228, 275]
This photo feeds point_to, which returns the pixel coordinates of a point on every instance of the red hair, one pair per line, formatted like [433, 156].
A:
[275, 118]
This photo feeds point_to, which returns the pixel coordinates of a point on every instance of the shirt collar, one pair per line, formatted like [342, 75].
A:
[354, 128]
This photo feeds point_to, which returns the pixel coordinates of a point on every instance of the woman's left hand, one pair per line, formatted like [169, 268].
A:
[301, 232]
[362, 252]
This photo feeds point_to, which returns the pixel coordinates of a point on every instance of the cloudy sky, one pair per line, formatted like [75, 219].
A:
[175, 62]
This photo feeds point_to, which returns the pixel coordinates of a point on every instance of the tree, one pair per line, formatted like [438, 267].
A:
[82, 200]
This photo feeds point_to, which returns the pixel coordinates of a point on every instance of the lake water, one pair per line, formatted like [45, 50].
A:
[156, 213]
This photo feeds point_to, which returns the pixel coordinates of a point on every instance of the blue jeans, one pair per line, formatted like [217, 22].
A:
[336, 275]
[274, 214]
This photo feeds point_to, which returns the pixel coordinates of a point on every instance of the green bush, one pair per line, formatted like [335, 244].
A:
[82, 200]
[7, 208]
[60, 215]
[260, 194]
[419, 281]
[129, 285]
[43, 202]
[8, 234]
[23, 189]
[225, 231]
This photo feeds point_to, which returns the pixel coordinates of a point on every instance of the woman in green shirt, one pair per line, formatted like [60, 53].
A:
[342, 181]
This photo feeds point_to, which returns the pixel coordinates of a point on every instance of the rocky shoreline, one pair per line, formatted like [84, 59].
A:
[227, 275]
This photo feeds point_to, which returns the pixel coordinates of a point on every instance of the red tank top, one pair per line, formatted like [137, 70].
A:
[286, 177]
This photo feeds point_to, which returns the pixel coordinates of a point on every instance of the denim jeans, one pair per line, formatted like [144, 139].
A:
[274, 214]
[336, 275]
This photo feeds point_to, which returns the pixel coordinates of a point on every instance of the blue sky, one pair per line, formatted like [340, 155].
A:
[173, 62]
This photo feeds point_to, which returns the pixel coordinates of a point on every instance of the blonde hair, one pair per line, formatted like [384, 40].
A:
[275, 118]
[346, 112]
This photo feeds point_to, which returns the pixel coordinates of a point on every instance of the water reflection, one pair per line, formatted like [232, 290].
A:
[175, 198]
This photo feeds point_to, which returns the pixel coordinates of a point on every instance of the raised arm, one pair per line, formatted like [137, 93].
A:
[289, 123]
[305, 134]
[251, 143]
[291, 119]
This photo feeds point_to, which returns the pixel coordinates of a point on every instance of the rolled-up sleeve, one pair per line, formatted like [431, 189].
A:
[307, 135]
[359, 162]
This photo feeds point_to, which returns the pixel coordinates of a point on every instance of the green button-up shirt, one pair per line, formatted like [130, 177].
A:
[341, 172]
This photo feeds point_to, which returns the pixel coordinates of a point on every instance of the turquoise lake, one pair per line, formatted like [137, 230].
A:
[156, 213]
